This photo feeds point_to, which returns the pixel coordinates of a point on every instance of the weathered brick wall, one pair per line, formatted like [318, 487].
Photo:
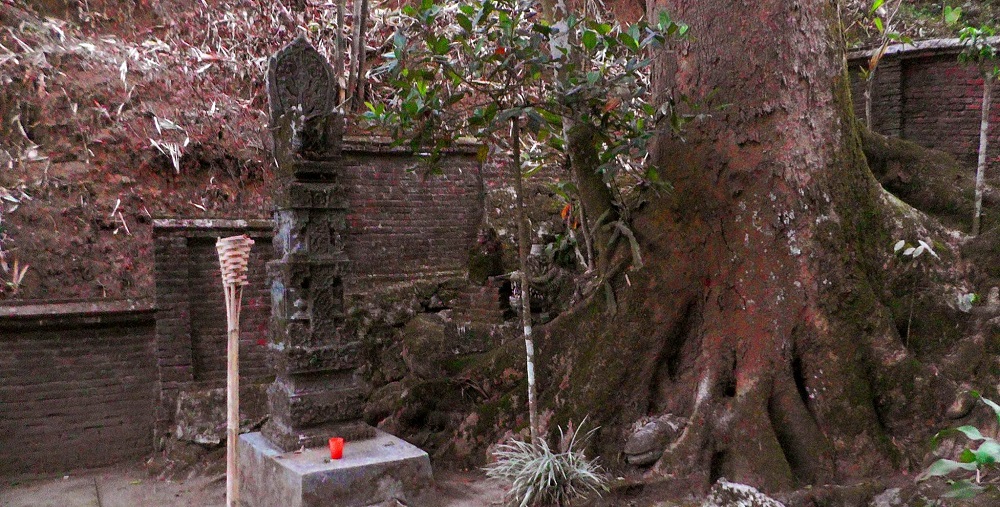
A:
[942, 107]
[78, 385]
[887, 101]
[404, 223]
[925, 95]
[191, 311]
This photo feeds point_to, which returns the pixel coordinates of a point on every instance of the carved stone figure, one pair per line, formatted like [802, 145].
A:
[299, 77]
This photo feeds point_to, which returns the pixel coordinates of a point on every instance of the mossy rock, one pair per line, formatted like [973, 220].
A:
[425, 345]
[384, 402]
[486, 257]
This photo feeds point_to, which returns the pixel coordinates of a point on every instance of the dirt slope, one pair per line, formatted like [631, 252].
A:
[113, 117]
[115, 112]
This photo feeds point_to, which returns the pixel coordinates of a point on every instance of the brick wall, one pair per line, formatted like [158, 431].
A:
[404, 223]
[78, 385]
[191, 311]
[925, 95]
[887, 102]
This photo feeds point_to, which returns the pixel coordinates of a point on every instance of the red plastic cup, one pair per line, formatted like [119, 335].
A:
[336, 448]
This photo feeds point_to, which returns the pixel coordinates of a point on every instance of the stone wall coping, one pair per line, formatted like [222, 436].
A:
[381, 144]
[86, 311]
[919, 48]
[262, 226]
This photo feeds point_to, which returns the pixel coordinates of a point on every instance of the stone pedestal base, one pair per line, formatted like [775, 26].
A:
[372, 472]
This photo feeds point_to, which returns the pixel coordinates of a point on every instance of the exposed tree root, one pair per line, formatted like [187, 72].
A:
[771, 312]
[927, 179]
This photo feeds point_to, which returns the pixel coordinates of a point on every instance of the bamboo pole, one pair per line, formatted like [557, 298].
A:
[234, 256]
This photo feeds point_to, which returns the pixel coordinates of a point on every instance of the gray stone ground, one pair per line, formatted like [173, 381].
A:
[111, 487]
[130, 486]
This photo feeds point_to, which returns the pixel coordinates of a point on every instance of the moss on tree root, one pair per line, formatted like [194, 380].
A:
[698, 332]
[927, 179]
[769, 308]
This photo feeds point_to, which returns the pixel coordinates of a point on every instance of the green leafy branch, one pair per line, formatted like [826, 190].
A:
[978, 50]
[882, 16]
[468, 69]
[977, 461]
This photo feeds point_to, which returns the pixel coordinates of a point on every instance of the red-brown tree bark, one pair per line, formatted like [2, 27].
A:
[784, 198]
[762, 314]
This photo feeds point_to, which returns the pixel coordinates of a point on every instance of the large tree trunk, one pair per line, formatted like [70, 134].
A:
[775, 189]
[761, 314]
[595, 196]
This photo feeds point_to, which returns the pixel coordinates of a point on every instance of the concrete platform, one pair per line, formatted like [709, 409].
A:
[372, 471]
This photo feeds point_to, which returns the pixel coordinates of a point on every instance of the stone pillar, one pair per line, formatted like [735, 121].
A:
[317, 392]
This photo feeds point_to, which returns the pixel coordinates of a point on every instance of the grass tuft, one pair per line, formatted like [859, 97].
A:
[541, 477]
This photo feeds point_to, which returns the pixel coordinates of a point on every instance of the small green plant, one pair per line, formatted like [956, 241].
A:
[980, 52]
[951, 15]
[972, 463]
[541, 477]
[913, 253]
[881, 16]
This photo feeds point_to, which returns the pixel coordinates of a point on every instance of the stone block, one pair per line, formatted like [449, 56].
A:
[303, 408]
[290, 439]
[300, 150]
[300, 80]
[372, 471]
[324, 230]
[309, 232]
[201, 413]
[322, 137]
[308, 291]
[327, 196]
[300, 359]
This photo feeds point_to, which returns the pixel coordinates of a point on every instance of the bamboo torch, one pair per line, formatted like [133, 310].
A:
[234, 255]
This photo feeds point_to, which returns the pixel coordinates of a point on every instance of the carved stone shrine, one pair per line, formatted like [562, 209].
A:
[317, 393]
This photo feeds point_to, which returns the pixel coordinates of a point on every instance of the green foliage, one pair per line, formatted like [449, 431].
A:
[974, 459]
[978, 50]
[881, 17]
[539, 476]
[562, 251]
[470, 68]
[951, 14]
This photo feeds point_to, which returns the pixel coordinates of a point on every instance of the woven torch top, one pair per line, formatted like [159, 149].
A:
[234, 256]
